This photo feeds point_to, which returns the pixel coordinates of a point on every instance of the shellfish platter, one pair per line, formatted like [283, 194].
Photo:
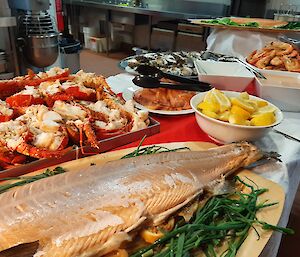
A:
[54, 116]
[252, 244]
[175, 63]
[275, 57]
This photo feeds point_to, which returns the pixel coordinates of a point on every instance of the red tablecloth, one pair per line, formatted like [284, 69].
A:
[175, 129]
[180, 128]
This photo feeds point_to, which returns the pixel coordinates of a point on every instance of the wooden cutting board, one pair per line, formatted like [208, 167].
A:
[270, 215]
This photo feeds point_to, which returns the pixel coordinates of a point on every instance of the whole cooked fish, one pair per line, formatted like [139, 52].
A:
[90, 212]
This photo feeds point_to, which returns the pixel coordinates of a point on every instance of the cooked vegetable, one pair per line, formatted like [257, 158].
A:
[224, 219]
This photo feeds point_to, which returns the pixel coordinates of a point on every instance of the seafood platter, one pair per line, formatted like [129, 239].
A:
[55, 116]
[168, 200]
[276, 55]
[280, 64]
[176, 63]
[160, 100]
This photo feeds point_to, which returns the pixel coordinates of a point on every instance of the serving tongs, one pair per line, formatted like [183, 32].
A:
[294, 42]
[150, 77]
[227, 58]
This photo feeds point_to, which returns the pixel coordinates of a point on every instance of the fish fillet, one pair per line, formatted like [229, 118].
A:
[89, 212]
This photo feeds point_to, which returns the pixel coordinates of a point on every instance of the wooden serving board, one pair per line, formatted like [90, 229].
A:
[270, 215]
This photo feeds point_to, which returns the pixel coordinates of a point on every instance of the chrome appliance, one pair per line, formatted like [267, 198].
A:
[37, 34]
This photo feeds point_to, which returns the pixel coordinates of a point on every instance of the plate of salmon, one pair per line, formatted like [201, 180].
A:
[160, 100]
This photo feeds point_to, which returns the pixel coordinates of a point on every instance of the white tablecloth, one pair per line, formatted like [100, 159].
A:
[287, 174]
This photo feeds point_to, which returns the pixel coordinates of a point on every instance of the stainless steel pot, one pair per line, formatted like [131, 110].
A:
[2, 61]
[41, 50]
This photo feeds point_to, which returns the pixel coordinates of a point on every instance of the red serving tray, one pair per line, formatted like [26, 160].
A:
[81, 152]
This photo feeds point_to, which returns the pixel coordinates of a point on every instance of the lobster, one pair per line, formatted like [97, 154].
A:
[27, 97]
[66, 91]
[38, 133]
[12, 86]
[6, 113]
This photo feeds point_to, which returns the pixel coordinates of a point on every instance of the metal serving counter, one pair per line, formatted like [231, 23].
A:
[179, 9]
[146, 12]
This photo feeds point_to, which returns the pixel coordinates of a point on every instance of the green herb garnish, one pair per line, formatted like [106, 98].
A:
[23, 180]
[291, 25]
[229, 22]
[151, 150]
[225, 219]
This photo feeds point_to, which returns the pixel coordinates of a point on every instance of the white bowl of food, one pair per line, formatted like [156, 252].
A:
[276, 58]
[224, 75]
[225, 132]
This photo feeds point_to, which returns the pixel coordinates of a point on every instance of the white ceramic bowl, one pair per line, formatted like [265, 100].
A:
[224, 75]
[224, 132]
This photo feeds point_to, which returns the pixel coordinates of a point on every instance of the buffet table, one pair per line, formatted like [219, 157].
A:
[184, 128]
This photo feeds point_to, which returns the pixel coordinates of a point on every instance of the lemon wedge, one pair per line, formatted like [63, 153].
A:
[253, 103]
[265, 109]
[222, 100]
[261, 103]
[210, 114]
[224, 116]
[244, 95]
[208, 97]
[150, 236]
[235, 109]
[209, 106]
[243, 104]
[237, 119]
[263, 119]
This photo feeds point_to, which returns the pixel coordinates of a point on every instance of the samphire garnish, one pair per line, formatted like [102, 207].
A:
[224, 219]
[20, 181]
[153, 149]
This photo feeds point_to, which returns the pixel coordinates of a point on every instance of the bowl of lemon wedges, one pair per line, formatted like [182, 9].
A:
[228, 116]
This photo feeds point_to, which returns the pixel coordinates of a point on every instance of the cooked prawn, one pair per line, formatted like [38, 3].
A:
[281, 48]
[291, 64]
[277, 56]
[276, 61]
[263, 62]
[294, 53]
[258, 55]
